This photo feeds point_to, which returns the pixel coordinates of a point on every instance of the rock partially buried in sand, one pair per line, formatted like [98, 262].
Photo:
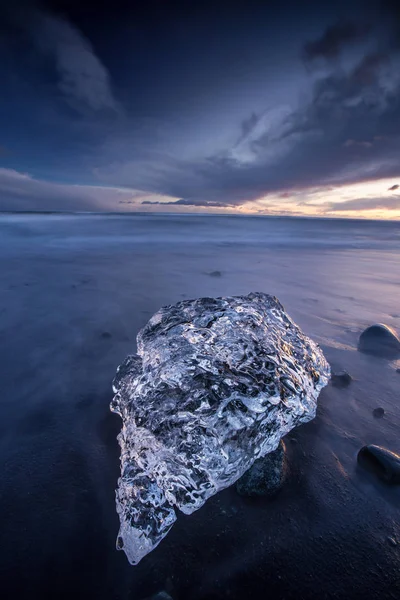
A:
[382, 462]
[341, 379]
[380, 340]
[215, 274]
[378, 412]
[217, 383]
[266, 476]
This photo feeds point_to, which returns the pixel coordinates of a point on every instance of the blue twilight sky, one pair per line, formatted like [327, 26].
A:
[262, 107]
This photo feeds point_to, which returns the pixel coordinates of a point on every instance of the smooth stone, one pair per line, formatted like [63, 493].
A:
[380, 340]
[266, 476]
[397, 370]
[391, 541]
[378, 412]
[106, 335]
[215, 274]
[341, 379]
[384, 463]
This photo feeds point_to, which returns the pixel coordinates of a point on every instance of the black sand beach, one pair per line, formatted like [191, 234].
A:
[74, 292]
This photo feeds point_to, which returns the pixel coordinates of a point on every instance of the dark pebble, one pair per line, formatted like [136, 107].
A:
[384, 463]
[341, 379]
[378, 412]
[215, 274]
[379, 340]
[106, 335]
[391, 541]
[397, 370]
[266, 476]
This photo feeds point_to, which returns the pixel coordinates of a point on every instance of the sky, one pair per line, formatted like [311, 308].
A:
[283, 108]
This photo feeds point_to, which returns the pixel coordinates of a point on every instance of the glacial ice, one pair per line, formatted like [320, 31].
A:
[216, 384]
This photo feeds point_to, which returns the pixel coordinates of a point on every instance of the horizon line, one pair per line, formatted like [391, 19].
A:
[191, 214]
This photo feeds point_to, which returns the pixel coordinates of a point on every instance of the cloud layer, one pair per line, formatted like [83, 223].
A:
[333, 40]
[199, 112]
[81, 78]
[346, 129]
[22, 192]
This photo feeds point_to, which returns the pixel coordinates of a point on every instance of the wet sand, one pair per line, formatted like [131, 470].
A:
[74, 293]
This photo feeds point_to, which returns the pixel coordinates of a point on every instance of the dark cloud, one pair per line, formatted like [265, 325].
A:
[367, 70]
[20, 191]
[82, 78]
[394, 187]
[247, 126]
[60, 53]
[334, 39]
[355, 98]
[184, 202]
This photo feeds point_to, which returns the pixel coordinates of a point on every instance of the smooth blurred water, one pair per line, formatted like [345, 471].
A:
[74, 291]
[69, 231]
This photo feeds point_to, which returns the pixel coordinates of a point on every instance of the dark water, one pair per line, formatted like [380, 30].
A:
[74, 290]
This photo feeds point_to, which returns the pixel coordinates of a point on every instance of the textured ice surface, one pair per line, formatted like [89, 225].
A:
[216, 384]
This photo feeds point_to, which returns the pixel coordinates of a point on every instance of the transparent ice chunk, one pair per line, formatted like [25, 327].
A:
[217, 383]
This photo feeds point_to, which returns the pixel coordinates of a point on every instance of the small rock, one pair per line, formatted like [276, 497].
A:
[161, 596]
[380, 340]
[397, 370]
[391, 541]
[378, 412]
[215, 274]
[106, 335]
[266, 476]
[341, 379]
[384, 463]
